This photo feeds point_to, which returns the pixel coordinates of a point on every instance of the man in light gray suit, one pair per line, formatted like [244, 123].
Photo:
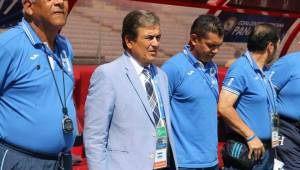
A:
[127, 121]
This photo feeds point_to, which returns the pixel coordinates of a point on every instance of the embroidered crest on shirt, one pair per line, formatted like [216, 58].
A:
[65, 61]
[212, 73]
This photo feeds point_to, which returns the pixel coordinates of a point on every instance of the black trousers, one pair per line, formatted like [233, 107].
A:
[15, 158]
[289, 146]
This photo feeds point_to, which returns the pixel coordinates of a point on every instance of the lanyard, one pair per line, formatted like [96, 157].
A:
[153, 73]
[271, 93]
[49, 53]
[267, 85]
[208, 79]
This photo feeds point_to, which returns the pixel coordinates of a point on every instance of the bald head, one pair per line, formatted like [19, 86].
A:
[261, 35]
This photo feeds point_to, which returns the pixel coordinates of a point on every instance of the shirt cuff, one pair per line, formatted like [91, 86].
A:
[230, 90]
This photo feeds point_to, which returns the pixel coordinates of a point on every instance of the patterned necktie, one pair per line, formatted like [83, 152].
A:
[151, 95]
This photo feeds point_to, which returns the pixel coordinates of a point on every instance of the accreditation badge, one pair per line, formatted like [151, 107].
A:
[278, 165]
[67, 124]
[275, 125]
[161, 152]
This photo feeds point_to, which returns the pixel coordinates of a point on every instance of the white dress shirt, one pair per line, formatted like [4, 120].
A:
[139, 70]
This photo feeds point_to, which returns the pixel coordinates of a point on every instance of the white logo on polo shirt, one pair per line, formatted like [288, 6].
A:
[190, 72]
[35, 56]
[271, 75]
[230, 81]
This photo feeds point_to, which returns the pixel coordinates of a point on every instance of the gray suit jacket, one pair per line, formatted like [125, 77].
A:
[119, 132]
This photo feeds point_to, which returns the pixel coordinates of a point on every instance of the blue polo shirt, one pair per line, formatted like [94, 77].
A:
[245, 79]
[30, 107]
[194, 109]
[285, 75]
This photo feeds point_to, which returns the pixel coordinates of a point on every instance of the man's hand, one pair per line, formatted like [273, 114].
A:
[256, 147]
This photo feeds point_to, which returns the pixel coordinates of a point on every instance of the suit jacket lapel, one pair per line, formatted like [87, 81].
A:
[136, 84]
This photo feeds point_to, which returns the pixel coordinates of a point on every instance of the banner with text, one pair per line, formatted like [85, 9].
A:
[238, 26]
[10, 12]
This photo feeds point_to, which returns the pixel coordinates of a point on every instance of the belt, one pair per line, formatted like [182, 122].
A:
[33, 154]
[294, 122]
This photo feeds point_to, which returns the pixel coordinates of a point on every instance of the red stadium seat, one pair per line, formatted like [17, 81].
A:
[221, 75]
[82, 75]
[221, 133]
[81, 90]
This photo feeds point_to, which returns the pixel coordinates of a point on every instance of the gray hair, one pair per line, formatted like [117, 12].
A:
[134, 20]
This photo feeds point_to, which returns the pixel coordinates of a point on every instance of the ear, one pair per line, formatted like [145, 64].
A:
[193, 39]
[129, 42]
[27, 7]
[270, 47]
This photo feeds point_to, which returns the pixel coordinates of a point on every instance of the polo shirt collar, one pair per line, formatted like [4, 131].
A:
[32, 36]
[194, 61]
[252, 62]
[138, 68]
[34, 39]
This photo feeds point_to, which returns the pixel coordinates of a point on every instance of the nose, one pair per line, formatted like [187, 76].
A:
[155, 42]
[215, 50]
[62, 4]
[59, 1]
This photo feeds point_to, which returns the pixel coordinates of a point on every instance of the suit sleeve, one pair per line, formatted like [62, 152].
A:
[98, 114]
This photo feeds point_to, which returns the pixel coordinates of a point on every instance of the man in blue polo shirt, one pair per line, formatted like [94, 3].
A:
[285, 75]
[194, 94]
[37, 114]
[247, 99]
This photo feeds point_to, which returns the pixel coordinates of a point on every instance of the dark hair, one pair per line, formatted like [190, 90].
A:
[207, 23]
[134, 20]
[261, 35]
